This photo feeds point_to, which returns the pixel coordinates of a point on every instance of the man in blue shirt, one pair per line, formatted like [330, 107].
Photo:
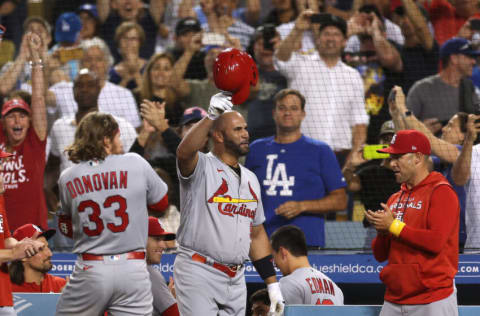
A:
[300, 176]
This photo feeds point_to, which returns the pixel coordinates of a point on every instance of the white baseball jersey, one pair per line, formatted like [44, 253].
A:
[162, 297]
[218, 209]
[311, 287]
[107, 201]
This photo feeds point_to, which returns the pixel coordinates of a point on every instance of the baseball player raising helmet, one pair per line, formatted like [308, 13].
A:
[105, 196]
[222, 214]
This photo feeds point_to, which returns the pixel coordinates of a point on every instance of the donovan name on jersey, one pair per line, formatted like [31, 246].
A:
[112, 180]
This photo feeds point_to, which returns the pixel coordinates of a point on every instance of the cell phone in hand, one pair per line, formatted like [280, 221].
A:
[213, 39]
[370, 152]
[392, 95]
[268, 33]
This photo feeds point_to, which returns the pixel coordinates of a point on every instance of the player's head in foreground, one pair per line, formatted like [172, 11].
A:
[230, 135]
[156, 242]
[289, 249]
[260, 303]
[37, 265]
[96, 137]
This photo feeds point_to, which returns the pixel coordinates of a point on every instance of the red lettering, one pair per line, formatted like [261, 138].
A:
[96, 182]
[78, 186]
[71, 190]
[320, 286]
[332, 288]
[309, 281]
[105, 180]
[87, 183]
[113, 180]
[123, 179]
[326, 287]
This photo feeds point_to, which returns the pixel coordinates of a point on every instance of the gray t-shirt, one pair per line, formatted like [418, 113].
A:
[310, 287]
[218, 209]
[200, 93]
[162, 297]
[431, 97]
[107, 201]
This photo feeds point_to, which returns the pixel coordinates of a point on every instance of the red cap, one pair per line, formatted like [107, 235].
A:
[28, 230]
[15, 104]
[408, 141]
[156, 229]
[235, 71]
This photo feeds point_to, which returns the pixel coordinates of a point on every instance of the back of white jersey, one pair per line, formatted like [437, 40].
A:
[310, 287]
[107, 202]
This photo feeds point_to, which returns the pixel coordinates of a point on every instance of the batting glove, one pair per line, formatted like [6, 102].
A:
[276, 298]
[219, 103]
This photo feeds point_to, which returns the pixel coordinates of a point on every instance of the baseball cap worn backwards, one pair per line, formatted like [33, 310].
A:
[90, 9]
[458, 45]
[155, 229]
[28, 230]
[13, 104]
[408, 141]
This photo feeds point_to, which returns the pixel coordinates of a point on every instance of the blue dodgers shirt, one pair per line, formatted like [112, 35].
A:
[303, 170]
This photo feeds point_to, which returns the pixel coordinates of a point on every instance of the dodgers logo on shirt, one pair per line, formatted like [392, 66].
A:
[231, 206]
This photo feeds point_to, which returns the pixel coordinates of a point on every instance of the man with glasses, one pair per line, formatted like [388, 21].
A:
[417, 232]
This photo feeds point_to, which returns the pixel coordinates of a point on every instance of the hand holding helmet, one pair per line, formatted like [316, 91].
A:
[219, 103]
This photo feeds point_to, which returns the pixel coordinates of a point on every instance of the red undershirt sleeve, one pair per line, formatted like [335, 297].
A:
[171, 311]
[160, 206]
[381, 247]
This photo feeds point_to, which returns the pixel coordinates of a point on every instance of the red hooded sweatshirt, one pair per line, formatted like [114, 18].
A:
[423, 260]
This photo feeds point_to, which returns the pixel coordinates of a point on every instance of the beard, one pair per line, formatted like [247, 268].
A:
[236, 149]
[44, 268]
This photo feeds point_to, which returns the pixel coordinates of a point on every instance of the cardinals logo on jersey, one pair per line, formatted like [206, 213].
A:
[231, 206]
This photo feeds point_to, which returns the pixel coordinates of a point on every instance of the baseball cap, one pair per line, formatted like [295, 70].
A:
[408, 141]
[187, 25]
[387, 128]
[333, 20]
[457, 45]
[28, 230]
[67, 28]
[90, 9]
[156, 229]
[193, 114]
[13, 104]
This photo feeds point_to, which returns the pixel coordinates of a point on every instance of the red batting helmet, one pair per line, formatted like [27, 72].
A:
[235, 71]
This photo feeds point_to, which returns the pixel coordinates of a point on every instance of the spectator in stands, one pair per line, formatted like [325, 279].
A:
[158, 85]
[197, 91]
[296, 190]
[248, 14]
[448, 17]
[283, 11]
[446, 150]
[186, 31]
[420, 52]
[380, 66]
[113, 12]
[30, 274]
[417, 233]
[163, 301]
[336, 109]
[373, 180]
[220, 20]
[129, 37]
[23, 132]
[17, 74]
[90, 23]
[435, 99]
[260, 303]
[67, 38]
[260, 103]
[113, 99]
[289, 249]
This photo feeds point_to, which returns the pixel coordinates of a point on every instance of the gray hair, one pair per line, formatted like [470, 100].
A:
[98, 42]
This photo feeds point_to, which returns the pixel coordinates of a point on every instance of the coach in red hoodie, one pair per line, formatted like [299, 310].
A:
[417, 234]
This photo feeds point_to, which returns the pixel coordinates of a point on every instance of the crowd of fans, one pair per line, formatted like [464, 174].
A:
[151, 61]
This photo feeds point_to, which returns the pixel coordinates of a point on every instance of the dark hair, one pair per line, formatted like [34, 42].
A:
[89, 137]
[291, 238]
[284, 92]
[445, 60]
[16, 271]
[260, 296]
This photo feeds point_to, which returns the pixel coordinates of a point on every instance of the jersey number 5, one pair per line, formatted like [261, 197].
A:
[94, 217]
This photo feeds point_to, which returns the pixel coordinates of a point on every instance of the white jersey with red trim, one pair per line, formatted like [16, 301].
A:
[107, 202]
[311, 287]
[218, 209]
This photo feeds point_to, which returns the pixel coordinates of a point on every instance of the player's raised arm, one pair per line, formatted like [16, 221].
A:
[194, 140]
